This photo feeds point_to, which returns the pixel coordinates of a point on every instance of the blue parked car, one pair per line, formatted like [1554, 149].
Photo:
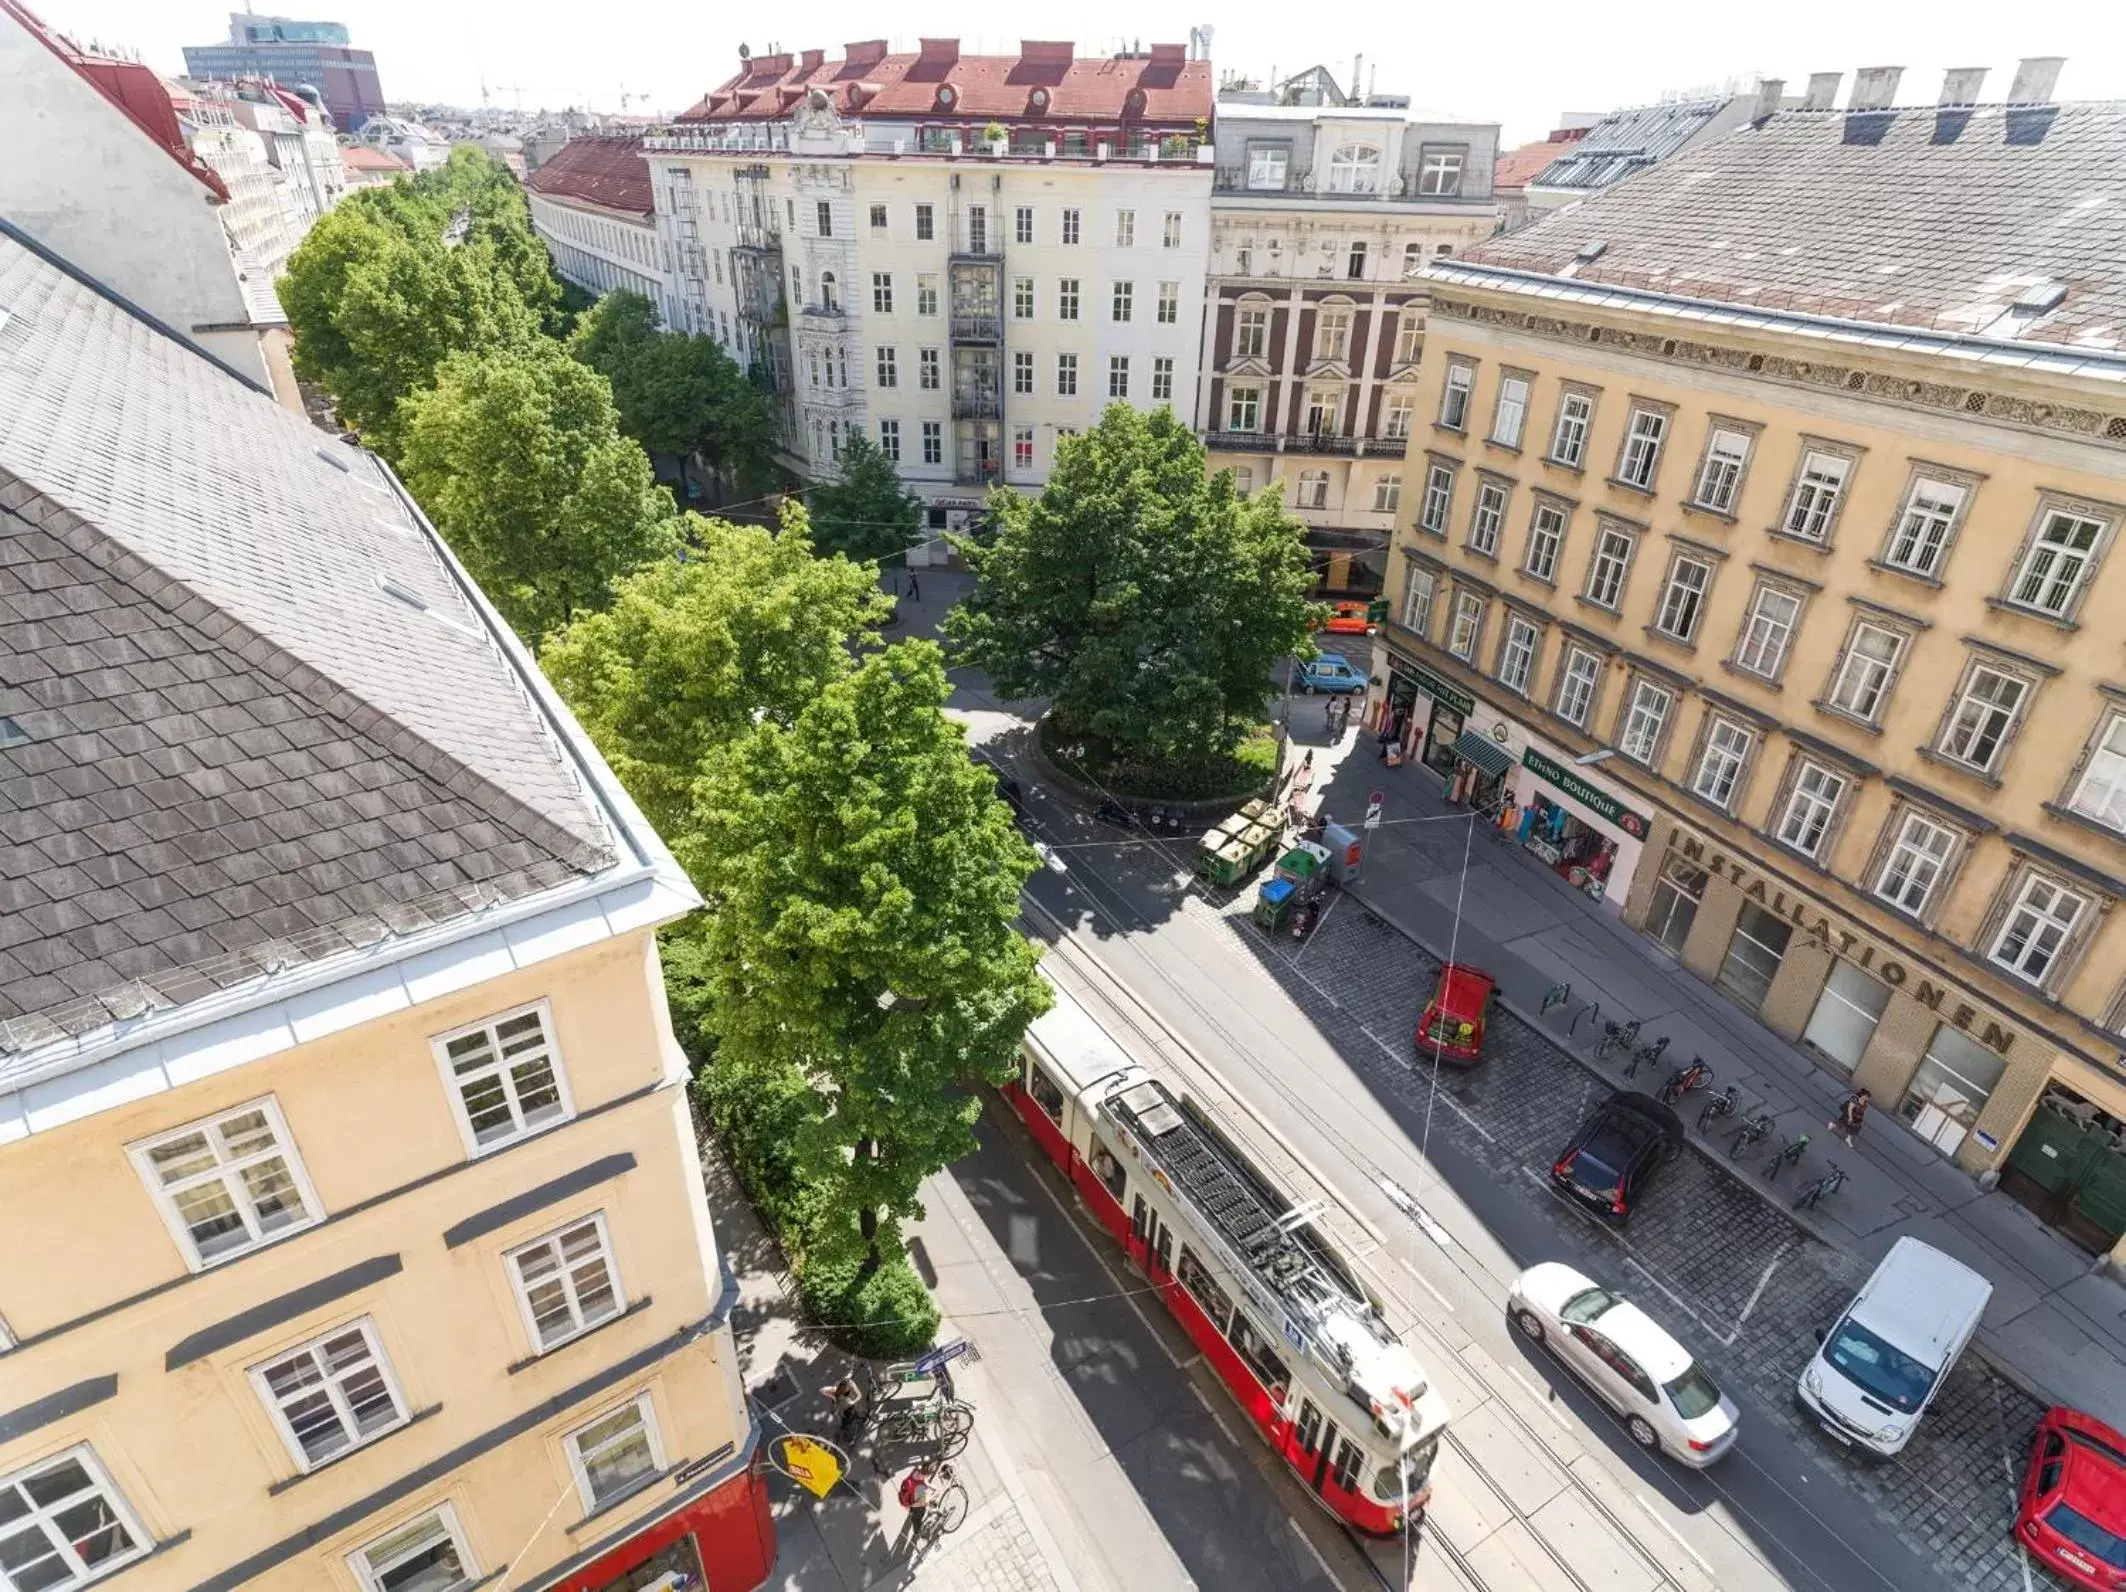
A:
[1330, 673]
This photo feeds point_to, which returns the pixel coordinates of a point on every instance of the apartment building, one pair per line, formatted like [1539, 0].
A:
[1760, 559]
[360, 1237]
[1323, 214]
[964, 257]
[592, 206]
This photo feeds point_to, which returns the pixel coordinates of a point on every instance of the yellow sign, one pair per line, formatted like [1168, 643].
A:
[812, 1464]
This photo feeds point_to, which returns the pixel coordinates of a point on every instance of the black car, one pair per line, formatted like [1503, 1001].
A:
[1622, 1144]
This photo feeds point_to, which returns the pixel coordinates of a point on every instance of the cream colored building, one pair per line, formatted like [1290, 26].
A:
[1759, 546]
[359, 1237]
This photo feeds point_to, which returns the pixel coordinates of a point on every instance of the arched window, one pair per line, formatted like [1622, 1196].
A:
[829, 291]
[1355, 168]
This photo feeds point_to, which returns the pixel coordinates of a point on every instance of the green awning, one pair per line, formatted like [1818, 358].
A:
[1480, 750]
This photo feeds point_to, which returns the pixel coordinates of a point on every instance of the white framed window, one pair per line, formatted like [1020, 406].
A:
[1814, 503]
[928, 370]
[1727, 746]
[1118, 375]
[1642, 448]
[1125, 301]
[1511, 414]
[889, 439]
[2101, 792]
[1915, 862]
[1413, 258]
[878, 218]
[1409, 335]
[1268, 164]
[1439, 497]
[926, 294]
[2058, 562]
[1125, 229]
[426, 1554]
[1313, 489]
[1487, 519]
[1644, 721]
[1683, 602]
[63, 1524]
[1546, 534]
[1022, 447]
[1022, 298]
[1169, 303]
[1417, 601]
[830, 293]
[1355, 168]
[887, 360]
[1439, 171]
[1066, 298]
[1251, 331]
[1468, 621]
[1568, 439]
[2037, 926]
[882, 292]
[1022, 371]
[1454, 397]
[504, 1076]
[616, 1454]
[1517, 655]
[1605, 573]
[229, 1183]
[1923, 526]
[1243, 409]
[1170, 234]
[1387, 494]
[1244, 260]
[1809, 807]
[1727, 454]
[1243, 479]
[1332, 334]
[1395, 418]
[1022, 225]
[333, 1394]
[933, 442]
[1070, 226]
[566, 1282]
[1768, 632]
[1324, 411]
[1576, 685]
[1985, 712]
[1864, 673]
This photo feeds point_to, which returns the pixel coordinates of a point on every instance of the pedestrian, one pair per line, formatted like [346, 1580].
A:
[1328, 715]
[848, 1400]
[916, 1496]
[915, 592]
[1852, 1112]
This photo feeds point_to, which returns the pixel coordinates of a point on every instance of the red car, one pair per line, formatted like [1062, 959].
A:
[2072, 1515]
[1452, 1027]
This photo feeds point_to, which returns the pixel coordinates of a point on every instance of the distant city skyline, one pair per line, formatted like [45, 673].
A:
[1556, 58]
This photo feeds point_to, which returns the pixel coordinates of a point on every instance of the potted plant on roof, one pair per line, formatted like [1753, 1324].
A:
[996, 138]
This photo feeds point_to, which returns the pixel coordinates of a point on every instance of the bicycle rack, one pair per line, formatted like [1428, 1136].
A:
[1556, 995]
[1592, 1011]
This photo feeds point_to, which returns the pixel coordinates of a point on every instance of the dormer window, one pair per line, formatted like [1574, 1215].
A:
[1355, 168]
[1268, 165]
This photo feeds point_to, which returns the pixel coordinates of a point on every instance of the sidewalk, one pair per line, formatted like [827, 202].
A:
[2056, 1324]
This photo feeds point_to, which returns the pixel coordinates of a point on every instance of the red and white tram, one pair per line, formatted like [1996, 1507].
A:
[1276, 1313]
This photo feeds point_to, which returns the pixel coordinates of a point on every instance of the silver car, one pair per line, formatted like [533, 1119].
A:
[1665, 1398]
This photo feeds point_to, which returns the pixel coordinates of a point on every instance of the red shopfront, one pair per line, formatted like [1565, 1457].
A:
[722, 1540]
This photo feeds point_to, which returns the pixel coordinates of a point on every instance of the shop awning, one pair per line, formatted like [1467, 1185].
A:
[1479, 749]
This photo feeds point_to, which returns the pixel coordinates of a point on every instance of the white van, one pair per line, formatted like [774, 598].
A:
[1878, 1367]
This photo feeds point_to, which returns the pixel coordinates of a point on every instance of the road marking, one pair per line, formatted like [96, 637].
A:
[1757, 1292]
[1675, 1536]
[1313, 1552]
[1674, 1298]
[1129, 1282]
[1211, 1410]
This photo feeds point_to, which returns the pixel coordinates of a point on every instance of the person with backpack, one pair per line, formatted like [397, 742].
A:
[917, 1494]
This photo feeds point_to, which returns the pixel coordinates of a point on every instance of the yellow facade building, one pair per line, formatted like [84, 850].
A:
[1760, 553]
[359, 1239]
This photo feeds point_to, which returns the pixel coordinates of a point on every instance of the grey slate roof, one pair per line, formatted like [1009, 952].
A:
[236, 750]
[1935, 218]
[1628, 141]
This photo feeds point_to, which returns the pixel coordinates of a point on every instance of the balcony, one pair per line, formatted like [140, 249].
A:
[1240, 441]
[987, 328]
[989, 251]
[1323, 442]
[976, 471]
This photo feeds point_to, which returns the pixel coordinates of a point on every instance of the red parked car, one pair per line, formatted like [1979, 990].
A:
[1454, 1020]
[2072, 1515]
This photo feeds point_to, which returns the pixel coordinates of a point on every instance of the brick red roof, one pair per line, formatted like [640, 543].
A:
[607, 172]
[367, 157]
[1518, 167]
[1045, 82]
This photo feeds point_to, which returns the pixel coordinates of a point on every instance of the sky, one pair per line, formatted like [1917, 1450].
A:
[1520, 66]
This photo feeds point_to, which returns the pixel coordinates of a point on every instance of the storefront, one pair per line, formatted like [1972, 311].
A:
[718, 1540]
[2069, 1165]
[1583, 833]
[1423, 715]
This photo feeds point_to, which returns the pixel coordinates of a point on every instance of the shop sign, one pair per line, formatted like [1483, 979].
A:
[1434, 687]
[1840, 940]
[1598, 802]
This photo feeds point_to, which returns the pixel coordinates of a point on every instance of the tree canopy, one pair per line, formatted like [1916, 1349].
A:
[866, 513]
[1147, 600]
[515, 455]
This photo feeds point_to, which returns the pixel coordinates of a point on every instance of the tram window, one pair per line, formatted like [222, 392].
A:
[1163, 1246]
[1044, 1091]
[1140, 1218]
[1252, 1347]
[1109, 1171]
[1309, 1427]
[1350, 1458]
[1205, 1287]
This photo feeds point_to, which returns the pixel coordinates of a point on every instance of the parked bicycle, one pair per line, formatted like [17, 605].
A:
[1646, 1056]
[1617, 1036]
[1592, 1011]
[1684, 1080]
[1795, 1149]
[1826, 1184]
[1724, 1104]
[941, 1423]
[1755, 1131]
[1556, 995]
[948, 1506]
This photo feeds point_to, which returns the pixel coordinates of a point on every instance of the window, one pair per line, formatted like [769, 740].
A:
[1678, 893]
[1956, 1077]
[1395, 418]
[1198, 1281]
[830, 292]
[882, 292]
[229, 1183]
[1022, 298]
[1070, 226]
[2058, 559]
[1644, 720]
[886, 360]
[1124, 301]
[62, 1523]
[1169, 303]
[1576, 686]
[566, 1282]
[826, 219]
[933, 442]
[503, 1078]
[1642, 448]
[616, 1454]
[977, 229]
[926, 294]
[889, 439]
[1267, 164]
[1809, 806]
[1244, 260]
[878, 218]
[1605, 575]
[1355, 262]
[1454, 397]
[1409, 336]
[1244, 409]
[1417, 601]
[1768, 633]
[1720, 476]
[1125, 229]
[1118, 375]
[1864, 674]
[1067, 376]
[1170, 235]
[1332, 334]
[2039, 923]
[1022, 447]
[1243, 479]
[1683, 603]
[1720, 764]
[925, 223]
[1251, 332]
[1923, 526]
[1022, 224]
[2101, 793]
[332, 1394]
[1517, 655]
[1814, 504]
[1162, 380]
[1254, 1349]
[1546, 534]
[1983, 715]
[1387, 494]
[1021, 372]
[1846, 1014]
[1313, 489]
[1512, 411]
[424, 1555]
[1439, 495]
[1754, 955]
[1440, 171]
[1468, 621]
[1568, 442]
[927, 370]
[1915, 863]
[1067, 299]
[1355, 168]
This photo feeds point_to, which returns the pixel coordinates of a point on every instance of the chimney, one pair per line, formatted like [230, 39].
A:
[938, 52]
[810, 60]
[1770, 91]
[864, 52]
[1960, 85]
[1055, 52]
[1823, 91]
[1875, 88]
[2035, 78]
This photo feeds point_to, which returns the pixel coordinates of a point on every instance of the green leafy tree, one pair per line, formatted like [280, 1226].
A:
[516, 458]
[1147, 600]
[689, 656]
[863, 881]
[866, 513]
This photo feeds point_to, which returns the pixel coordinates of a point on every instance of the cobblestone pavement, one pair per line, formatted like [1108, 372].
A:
[992, 1554]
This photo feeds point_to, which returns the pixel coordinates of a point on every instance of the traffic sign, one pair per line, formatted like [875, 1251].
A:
[1373, 806]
